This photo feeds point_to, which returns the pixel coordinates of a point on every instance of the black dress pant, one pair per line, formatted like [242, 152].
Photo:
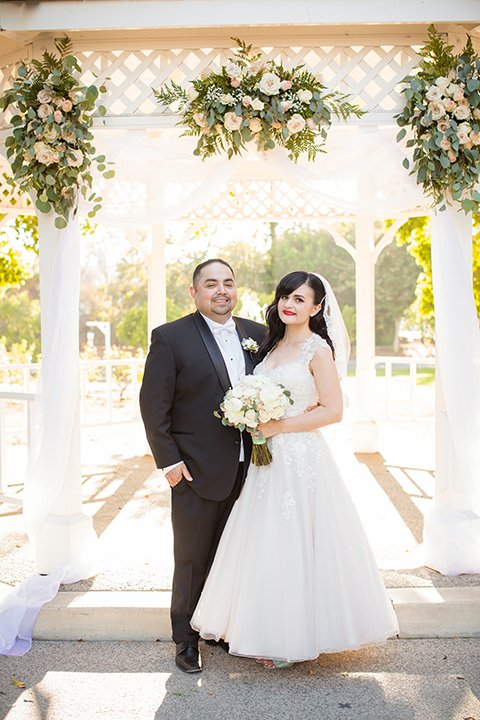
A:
[197, 528]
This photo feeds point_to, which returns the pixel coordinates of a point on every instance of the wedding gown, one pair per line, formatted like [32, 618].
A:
[294, 575]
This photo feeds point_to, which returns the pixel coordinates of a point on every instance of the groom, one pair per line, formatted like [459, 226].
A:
[191, 364]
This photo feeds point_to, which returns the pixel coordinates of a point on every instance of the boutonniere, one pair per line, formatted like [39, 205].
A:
[250, 345]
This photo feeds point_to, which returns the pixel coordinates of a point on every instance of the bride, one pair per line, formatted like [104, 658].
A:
[294, 575]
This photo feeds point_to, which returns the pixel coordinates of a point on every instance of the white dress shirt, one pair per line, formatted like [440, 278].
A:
[228, 342]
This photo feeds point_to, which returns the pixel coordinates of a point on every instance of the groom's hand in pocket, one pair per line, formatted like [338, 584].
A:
[175, 474]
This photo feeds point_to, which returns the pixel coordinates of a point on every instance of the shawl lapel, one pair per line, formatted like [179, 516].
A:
[213, 350]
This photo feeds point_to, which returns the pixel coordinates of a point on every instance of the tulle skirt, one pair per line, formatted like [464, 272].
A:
[294, 575]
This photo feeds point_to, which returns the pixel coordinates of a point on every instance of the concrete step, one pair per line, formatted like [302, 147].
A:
[144, 616]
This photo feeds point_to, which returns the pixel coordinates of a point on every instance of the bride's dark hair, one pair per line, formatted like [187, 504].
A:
[287, 285]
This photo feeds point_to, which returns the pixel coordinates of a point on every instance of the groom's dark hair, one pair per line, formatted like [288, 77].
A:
[198, 270]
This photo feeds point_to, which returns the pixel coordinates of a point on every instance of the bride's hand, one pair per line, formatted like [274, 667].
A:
[267, 429]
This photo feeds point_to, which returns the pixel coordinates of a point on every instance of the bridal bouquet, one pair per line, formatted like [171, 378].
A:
[256, 399]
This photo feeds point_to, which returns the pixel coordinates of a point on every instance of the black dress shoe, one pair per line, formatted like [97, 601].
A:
[188, 658]
[219, 643]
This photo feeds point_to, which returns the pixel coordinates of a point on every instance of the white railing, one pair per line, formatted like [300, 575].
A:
[28, 399]
[103, 389]
[407, 398]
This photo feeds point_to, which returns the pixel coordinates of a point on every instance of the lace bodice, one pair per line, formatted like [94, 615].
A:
[296, 376]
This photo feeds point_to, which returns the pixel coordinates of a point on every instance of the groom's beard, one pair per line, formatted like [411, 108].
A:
[222, 305]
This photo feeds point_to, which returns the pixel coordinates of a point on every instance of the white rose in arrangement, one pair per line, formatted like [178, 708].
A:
[443, 125]
[50, 134]
[192, 93]
[423, 121]
[296, 123]
[311, 123]
[57, 101]
[232, 121]
[464, 127]
[451, 156]
[449, 105]
[257, 104]
[77, 158]
[476, 113]
[452, 89]
[255, 67]
[246, 101]
[43, 153]
[475, 138]
[462, 112]
[442, 83]
[434, 93]
[251, 418]
[304, 96]
[232, 406]
[227, 99]
[44, 110]
[286, 105]
[44, 96]
[445, 144]
[67, 105]
[463, 137]
[285, 85]
[255, 125]
[437, 109]
[199, 119]
[57, 116]
[233, 70]
[458, 94]
[269, 84]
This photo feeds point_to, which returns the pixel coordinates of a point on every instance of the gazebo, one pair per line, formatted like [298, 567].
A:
[132, 45]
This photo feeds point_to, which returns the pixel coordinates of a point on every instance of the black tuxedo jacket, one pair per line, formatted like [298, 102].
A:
[184, 383]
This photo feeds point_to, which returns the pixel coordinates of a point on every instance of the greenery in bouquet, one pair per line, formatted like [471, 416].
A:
[443, 112]
[255, 399]
[256, 99]
[51, 143]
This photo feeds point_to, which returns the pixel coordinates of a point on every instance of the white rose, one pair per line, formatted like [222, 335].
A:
[311, 123]
[255, 125]
[257, 104]
[442, 83]
[475, 138]
[443, 125]
[255, 67]
[67, 105]
[449, 105]
[75, 161]
[269, 84]
[458, 94]
[226, 99]
[199, 119]
[57, 101]
[452, 89]
[451, 156]
[464, 127]
[476, 113]
[286, 105]
[434, 93]
[44, 110]
[50, 134]
[437, 109]
[246, 100]
[296, 123]
[251, 418]
[304, 96]
[43, 153]
[463, 137]
[232, 405]
[44, 96]
[462, 112]
[445, 144]
[233, 70]
[232, 121]
[192, 93]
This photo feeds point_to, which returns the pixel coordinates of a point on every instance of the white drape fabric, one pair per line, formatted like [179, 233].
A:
[452, 526]
[50, 473]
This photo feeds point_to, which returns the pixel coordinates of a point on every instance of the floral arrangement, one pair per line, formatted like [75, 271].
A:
[443, 111]
[256, 99]
[51, 144]
[255, 399]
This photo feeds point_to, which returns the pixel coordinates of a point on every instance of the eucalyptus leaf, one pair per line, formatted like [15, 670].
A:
[60, 222]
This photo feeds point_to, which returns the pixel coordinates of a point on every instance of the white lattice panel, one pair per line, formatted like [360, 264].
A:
[260, 200]
[370, 73]
[12, 201]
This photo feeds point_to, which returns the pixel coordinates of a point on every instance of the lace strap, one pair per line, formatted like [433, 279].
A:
[310, 347]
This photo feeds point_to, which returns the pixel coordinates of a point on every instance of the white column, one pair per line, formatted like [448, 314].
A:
[365, 430]
[62, 535]
[157, 278]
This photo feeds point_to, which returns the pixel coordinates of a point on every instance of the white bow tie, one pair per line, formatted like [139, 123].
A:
[229, 327]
